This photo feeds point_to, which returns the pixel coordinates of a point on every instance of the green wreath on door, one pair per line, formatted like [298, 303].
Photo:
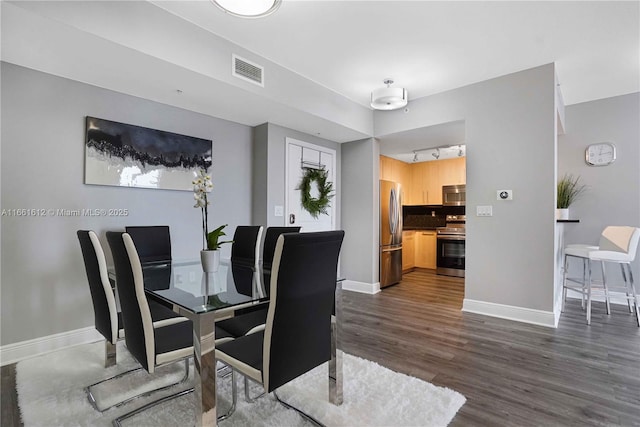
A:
[315, 206]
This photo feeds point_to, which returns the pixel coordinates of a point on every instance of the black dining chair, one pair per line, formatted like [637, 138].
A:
[297, 335]
[107, 319]
[152, 344]
[252, 319]
[152, 242]
[245, 252]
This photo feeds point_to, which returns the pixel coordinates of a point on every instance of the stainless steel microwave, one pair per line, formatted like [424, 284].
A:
[454, 195]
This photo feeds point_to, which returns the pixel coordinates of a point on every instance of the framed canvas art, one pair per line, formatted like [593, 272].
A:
[126, 155]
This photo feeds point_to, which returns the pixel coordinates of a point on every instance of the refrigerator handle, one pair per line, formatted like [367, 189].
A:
[392, 212]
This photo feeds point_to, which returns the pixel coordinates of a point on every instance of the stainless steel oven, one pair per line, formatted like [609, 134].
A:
[450, 258]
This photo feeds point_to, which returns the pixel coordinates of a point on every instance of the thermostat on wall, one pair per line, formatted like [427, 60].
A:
[504, 194]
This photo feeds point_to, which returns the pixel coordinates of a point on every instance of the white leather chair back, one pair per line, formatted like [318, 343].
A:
[620, 239]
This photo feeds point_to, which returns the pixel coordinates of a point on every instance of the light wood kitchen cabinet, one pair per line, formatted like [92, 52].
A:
[429, 177]
[408, 250]
[418, 193]
[386, 168]
[406, 181]
[396, 171]
[425, 249]
[452, 171]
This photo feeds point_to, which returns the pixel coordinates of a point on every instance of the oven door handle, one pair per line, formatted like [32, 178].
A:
[456, 238]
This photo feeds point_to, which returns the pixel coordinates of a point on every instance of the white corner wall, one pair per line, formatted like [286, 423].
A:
[510, 129]
[360, 215]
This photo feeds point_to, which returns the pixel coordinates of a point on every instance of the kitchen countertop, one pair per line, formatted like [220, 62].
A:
[412, 228]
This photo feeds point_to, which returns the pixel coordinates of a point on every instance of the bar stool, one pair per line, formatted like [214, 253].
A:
[618, 245]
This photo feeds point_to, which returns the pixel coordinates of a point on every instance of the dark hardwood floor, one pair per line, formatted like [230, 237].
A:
[512, 374]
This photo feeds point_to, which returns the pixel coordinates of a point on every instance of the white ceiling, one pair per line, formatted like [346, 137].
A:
[430, 47]
[450, 137]
[343, 49]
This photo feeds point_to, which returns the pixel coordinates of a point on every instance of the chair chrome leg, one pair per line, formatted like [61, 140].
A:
[589, 295]
[302, 413]
[94, 404]
[109, 354]
[630, 303]
[606, 290]
[584, 279]
[247, 395]
[91, 397]
[225, 371]
[118, 421]
[635, 295]
[564, 283]
[234, 397]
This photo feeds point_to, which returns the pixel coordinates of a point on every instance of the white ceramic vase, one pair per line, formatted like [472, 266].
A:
[210, 260]
[562, 213]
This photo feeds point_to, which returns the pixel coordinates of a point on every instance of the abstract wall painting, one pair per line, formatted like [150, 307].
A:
[125, 155]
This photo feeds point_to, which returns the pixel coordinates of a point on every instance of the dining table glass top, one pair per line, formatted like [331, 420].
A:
[183, 283]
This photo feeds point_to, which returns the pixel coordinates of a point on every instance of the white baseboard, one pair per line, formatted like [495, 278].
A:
[362, 287]
[510, 312]
[16, 352]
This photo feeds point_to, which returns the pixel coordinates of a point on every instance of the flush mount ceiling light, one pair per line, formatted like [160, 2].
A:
[248, 8]
[389, 98]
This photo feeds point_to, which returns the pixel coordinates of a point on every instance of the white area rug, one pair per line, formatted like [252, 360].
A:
[51, 393]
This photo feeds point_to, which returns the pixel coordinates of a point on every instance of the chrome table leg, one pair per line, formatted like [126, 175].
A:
[204, 362]
[109, 354]
[335, 364]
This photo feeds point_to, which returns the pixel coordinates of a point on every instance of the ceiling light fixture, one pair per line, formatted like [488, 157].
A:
[436, 154]
[415, 156]
[248, 8]
[389, 98]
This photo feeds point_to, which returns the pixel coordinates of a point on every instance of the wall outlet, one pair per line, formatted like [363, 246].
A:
[504, 194]
[484, 210]
[278, 211]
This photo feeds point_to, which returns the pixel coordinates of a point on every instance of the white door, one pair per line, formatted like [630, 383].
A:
[300, 155]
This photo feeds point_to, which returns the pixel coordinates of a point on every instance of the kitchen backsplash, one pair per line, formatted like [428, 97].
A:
[423, 221]
[428, 216]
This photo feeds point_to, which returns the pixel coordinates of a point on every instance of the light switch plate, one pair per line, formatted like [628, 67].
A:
[278, 211]
[484, 210]
[504, 194]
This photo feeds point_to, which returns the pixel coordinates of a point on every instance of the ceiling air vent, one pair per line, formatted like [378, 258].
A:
[247, 70]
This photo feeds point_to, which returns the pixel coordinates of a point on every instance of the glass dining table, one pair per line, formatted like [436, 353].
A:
[206, 297]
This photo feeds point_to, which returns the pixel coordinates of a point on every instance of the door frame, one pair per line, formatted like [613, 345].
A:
[292, 141]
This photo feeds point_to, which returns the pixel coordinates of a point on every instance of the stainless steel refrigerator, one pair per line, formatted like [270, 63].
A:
[390, 233]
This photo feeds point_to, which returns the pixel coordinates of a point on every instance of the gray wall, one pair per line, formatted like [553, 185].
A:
[510, 137]
[44, 289]
[260, 177]
[360, 210]
[269, 162]
[613, 194]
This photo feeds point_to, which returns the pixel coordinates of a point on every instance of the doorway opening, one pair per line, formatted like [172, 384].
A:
[429, 163]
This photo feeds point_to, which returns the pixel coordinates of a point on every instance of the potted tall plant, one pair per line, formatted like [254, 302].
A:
[210, 254]
[569, 190]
